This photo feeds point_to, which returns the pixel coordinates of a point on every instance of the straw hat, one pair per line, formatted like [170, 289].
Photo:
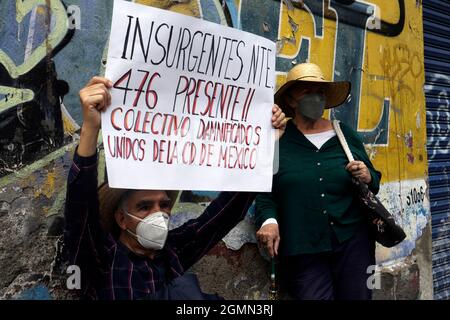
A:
[309, 73]
[109, 200]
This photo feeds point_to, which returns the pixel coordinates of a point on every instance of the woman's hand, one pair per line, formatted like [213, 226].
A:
[269, 238]
[359, 170]
[278, 118]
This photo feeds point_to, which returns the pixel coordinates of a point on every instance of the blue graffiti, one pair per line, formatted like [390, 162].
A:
[38, 292]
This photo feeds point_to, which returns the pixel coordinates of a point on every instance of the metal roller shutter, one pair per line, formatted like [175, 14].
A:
[436, 23]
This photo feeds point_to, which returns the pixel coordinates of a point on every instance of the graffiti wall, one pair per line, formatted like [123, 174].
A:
[50, 49]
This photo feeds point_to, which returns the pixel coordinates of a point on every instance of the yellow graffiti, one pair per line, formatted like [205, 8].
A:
[48, 187]
[189, 8]
[393, 69]
[399, 62]
[70, 126]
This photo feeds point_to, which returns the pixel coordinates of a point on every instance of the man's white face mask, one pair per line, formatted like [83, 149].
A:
[151, 232]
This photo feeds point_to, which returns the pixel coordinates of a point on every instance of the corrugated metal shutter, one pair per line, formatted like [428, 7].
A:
[436, 22]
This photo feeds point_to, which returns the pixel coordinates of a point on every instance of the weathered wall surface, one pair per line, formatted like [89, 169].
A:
[50, 48]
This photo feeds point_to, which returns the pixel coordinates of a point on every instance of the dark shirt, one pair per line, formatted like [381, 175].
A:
[109, 270]
[312, 193]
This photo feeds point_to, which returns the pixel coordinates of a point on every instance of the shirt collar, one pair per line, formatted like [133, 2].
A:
[294, 135]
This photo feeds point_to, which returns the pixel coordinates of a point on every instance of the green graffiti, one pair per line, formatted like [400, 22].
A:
[14, 96]
[223, 20]
[28, 170]
[58, 203]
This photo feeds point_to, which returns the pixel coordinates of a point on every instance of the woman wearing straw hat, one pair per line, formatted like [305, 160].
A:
[311, 218]
[120, 239]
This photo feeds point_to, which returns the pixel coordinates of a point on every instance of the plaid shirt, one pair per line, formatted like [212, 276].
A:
[109, 270]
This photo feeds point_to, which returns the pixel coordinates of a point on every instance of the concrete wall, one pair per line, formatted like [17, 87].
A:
[49, 50]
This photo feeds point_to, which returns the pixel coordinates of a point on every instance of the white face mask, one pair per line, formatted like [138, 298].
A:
[151, 232]
[312, 105]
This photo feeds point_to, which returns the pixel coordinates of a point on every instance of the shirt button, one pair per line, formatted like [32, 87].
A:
[318, 163]
[331, 223]
[317, 150]
[320, 179]
[322, 195]
[324, 211]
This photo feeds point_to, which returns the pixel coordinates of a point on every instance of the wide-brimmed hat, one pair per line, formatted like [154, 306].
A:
[309, 73]
[109, 199]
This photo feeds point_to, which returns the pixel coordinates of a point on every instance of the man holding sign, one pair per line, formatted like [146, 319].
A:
[190, 109]
[120, 238]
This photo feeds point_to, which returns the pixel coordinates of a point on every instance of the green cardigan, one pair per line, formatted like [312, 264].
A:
[312, 193]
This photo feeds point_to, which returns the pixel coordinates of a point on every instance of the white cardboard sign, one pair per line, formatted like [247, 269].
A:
[191, 103]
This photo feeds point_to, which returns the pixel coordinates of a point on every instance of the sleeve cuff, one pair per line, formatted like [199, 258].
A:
[84, 162]
[374, 184]
[269, 221]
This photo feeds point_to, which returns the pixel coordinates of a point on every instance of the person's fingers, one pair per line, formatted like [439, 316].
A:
[107, 95]
[356, 166]
[277, 124]
[92, 90]
[96, 80]
[95, 90]
[269, 247]
[261, 238]
[350, 166]
[281, 121]
[278, 112]
[363, 178]
[102, 93]
[95, 101]
[276, 245]
[97, 86]
[108, 101]
[267, 241]
[276, 116]
[92, 81]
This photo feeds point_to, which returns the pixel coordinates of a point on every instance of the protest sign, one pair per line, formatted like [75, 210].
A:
[191, 103]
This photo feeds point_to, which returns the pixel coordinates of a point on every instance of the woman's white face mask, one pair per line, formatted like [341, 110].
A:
[152, 231]
[312, 105]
